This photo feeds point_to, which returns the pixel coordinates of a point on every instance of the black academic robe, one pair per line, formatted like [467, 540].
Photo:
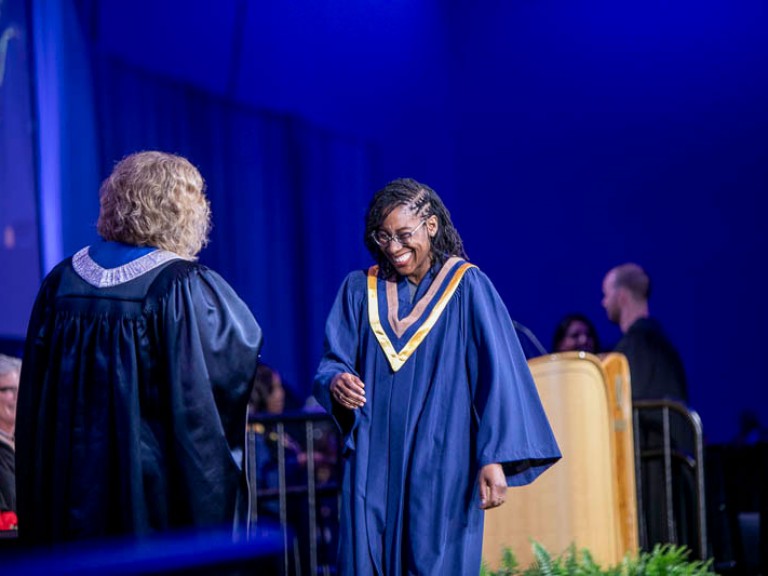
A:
[132, 403]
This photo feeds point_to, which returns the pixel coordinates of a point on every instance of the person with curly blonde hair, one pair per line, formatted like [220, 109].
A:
[137, 371]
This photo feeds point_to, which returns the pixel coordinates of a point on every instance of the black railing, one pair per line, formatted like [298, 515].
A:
[679, 446]
[294, 469]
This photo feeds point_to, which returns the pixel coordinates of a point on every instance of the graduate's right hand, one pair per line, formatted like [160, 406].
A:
[348, 390]
[493, 486]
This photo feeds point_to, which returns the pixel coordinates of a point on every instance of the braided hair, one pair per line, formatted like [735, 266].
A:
[423, 202]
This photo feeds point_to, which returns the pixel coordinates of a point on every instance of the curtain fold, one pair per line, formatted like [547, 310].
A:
[68, 164]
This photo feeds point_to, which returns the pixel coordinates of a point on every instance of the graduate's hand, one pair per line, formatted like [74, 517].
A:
[493, 486]
[348, 390]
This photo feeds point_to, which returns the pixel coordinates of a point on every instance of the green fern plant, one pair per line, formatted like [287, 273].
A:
[663, 560]
[509, 565]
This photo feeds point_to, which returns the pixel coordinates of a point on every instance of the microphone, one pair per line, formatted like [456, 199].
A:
[531, 337]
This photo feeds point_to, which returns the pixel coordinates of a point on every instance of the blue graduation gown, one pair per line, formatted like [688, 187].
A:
[132, 403]
[448, 391]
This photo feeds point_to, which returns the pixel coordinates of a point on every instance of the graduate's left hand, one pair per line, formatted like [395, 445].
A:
[493, 486]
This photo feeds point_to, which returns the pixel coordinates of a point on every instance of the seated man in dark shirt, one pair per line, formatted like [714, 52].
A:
[654, 362]
[656, 373]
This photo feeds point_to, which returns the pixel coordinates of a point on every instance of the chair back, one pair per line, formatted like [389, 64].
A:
[586, 499]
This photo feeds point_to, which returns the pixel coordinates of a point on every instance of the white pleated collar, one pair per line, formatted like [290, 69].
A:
[100, 277]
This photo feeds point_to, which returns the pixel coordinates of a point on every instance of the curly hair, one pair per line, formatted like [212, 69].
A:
[155, 199]
[423, 202]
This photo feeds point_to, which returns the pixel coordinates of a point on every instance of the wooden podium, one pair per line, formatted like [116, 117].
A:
[588, 498]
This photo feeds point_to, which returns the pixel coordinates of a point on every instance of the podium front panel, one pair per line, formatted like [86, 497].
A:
[577, 500]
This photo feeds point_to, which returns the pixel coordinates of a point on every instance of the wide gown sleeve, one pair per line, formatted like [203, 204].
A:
[212, 345]
[513, 429]
[33, 368]
[341, 350]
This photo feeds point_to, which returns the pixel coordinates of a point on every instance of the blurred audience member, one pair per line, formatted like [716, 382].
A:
[10, 369]
[656, 373]
[280, 464]
[268, 399]
[575, 332]
[655, 365]
[268, 393]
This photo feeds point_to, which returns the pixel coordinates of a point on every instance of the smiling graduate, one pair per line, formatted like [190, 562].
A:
[425, 376]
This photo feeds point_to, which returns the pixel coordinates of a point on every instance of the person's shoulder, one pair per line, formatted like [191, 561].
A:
[58, 269]
[53, 278]
[648, 327]
[186, 280]
[474, 282]
[471, 269]
[649, 334]
[358, 275]
[473, 274]
[180, 269]
[356, 279]
[180, 274]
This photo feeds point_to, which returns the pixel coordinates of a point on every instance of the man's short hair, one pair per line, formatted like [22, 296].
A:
[632, 277]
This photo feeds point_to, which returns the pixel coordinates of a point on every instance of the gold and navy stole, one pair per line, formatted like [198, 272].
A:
[400, 338]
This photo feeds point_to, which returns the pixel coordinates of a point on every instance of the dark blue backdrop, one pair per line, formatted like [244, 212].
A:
[566, 137]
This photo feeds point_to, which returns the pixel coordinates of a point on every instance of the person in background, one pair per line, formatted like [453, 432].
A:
[137, 370]
[10, 369]
[656, 373]
[575, 332]
[268, 394]
[655, 365]
[268, 399]
[426, 379]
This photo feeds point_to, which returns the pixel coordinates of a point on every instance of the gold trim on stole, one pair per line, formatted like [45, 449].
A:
[397, 359]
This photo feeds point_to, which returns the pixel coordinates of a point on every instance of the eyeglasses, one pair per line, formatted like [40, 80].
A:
[383, 239]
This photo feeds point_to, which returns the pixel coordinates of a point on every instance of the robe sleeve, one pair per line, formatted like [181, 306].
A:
[216, 342]
[341, 350]
[513, 429]
[33, 367]
[212, 346]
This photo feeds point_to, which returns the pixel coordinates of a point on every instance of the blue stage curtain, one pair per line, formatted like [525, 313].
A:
[281, 189]
[68, 167]
[19, 240]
